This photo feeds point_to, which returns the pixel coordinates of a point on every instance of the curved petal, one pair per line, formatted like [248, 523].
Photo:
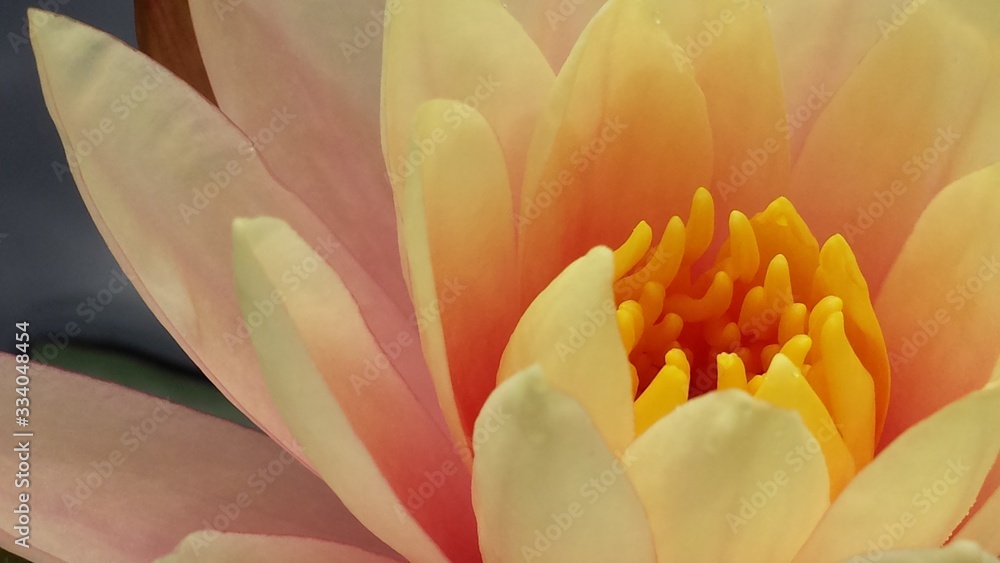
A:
[546, 486]
[941, 331]
[301, 79]
[727, 478]
[982, 527]
[570, 330]
[728, 45]
[238, 548]
[895, 133]
[962, 552]
[163, 174]
[164, 32]
[120, 476]
[472, 51]
[358, 423]
[554, 25]
[460, 247]
[622, 110]
[919, 488]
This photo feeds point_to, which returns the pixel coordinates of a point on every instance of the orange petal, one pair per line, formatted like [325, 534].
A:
[474, 52]
[358, 423]
[622, 110]
[940, 305]
[301, 79]
[540, 463]
[894, 134]
[728, 44]
[571, 332]
[117, 475]
[459, 238]
[239, 548]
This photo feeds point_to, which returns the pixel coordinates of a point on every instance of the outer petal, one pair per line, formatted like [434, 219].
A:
[728, 44]
[727, 478]
[919, 488]
[941, 331]
[554, 25]
[546, 486]
[468, 50]
[622, 110]
[460, 247]
[982, 528]
[358, 423]
[121, 476]
[962, 552]
[571, 332]
[164, 180]
[301, 79]
[895, 133]
[239, 548]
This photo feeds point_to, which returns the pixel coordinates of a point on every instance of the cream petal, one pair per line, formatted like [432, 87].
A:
[117, 475]
[940, 306]
[473, 52]
[727, 478]
[896, 132]
[624, 137]
[163, 181]
[918, 488]
[240, 548]
[545, 485]
[571, 332]
[460, 246]
[361, 428]
[962, 552]
[982, 527]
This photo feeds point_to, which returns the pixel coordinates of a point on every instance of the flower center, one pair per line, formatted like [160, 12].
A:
[774, 316]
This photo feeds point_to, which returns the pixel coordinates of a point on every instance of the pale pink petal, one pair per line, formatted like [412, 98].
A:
[164, 180]
[359, 425]
[546, 486]
[240, 548]
[120, 476]
[460, 247]
[919, 488]
[554, 25]
[570, 330]
[900, 128]
[940, 305]
[729, 479]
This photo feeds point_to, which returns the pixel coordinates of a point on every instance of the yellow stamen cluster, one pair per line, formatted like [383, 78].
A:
[774, 316]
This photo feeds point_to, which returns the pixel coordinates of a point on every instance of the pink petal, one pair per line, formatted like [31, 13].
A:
[121, 476]
[554, 25]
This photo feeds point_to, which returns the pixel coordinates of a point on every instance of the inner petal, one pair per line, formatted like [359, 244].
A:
[763, 316]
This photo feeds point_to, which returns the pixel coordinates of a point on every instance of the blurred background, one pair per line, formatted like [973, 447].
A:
[56, 272]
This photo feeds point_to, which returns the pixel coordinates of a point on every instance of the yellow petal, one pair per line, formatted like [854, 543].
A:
[960, 552]
[726, 478]
[459, 239]
[621, 111]
[982, 527]
[918, 488]
[240, 548]
[546, 486]
[571, 331]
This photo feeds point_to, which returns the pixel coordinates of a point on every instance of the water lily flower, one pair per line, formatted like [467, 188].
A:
[643, 280]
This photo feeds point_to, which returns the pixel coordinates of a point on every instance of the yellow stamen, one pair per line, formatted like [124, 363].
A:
[629, 253]
[667, 391]
[732, 374]
[701, 224]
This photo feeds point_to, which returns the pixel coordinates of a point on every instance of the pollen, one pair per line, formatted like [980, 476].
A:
[773, 315]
